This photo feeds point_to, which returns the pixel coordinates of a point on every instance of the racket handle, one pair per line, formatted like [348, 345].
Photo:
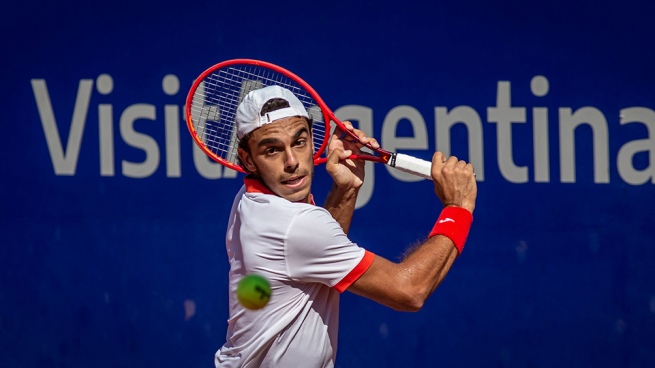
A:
[412, 165]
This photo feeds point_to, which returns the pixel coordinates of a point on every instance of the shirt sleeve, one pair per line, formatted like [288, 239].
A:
[317, 250]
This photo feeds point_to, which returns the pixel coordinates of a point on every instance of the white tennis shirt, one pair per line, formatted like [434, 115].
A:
[308, 260]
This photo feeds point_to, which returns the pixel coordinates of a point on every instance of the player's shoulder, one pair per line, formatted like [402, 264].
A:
[308, 214]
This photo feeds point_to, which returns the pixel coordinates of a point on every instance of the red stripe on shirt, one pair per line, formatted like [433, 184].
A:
[256, 186]
[356, 272]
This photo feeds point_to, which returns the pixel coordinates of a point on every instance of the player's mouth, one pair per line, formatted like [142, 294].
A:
[294, 182]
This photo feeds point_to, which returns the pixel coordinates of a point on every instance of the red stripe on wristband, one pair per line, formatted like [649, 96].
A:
[455, 223]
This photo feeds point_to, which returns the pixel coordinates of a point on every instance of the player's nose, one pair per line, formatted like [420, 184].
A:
[290, 160]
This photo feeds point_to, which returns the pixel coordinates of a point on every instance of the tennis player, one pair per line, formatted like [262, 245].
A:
[276, 230]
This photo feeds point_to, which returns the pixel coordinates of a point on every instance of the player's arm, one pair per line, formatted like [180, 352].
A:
[406, 285]
[347, 175]
[340, 203]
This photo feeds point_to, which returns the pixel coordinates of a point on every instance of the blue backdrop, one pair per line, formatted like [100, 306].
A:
[111, 248]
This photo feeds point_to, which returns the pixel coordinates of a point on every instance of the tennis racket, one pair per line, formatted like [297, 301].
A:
[215, 95]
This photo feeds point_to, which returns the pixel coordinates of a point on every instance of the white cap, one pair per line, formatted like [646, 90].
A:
[249, 112]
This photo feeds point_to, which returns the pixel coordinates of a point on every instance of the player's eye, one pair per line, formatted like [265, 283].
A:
[270, 150]
[301, 142]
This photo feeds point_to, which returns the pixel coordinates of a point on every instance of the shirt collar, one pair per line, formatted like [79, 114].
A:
[254, 185]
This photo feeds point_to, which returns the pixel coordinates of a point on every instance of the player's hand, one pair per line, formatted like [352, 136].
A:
[345, 172]
[454, 181]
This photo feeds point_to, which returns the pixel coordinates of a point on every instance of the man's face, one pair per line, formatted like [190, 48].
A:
[281, 154]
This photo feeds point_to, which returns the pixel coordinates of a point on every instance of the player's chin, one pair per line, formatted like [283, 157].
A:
[295, 189]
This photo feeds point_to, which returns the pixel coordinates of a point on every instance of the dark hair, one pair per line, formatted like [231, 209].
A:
[274, 104]
[270, 105]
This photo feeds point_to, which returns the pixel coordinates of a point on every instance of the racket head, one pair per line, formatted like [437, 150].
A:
[215, 95]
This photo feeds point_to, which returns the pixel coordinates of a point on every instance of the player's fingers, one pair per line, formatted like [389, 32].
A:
[369, 141]
[449, 163]
[360, 141]
[452, 160]
[337, 132]
[338, 155]
[364, 140]
[470, 170]
[361, 136]
[439, 158]
[346, 133]
[438, 161]
[341, 132]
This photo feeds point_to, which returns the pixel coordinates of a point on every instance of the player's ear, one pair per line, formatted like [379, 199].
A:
[246, 160]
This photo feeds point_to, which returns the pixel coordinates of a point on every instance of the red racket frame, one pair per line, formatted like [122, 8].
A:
[328, 115]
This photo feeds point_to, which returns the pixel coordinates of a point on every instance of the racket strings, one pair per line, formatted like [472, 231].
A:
[217, 97]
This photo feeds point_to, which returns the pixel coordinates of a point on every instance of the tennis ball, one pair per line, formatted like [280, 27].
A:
[254, 291]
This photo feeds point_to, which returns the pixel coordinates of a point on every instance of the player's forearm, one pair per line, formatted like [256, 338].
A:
[445, 242]
[417, 276]
[426, 267]
[340, 203]
[405, 286]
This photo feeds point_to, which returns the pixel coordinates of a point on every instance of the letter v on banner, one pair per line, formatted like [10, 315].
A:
[63, 161]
